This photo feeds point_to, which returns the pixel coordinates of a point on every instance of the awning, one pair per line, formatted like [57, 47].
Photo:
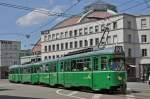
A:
[132, 66]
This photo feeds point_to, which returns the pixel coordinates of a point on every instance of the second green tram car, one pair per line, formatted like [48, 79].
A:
[98, 70]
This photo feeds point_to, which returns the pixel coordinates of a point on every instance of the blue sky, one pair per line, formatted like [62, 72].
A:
[15, 23]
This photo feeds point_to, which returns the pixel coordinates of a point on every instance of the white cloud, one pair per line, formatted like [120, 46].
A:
[32, 18]
[59, 8]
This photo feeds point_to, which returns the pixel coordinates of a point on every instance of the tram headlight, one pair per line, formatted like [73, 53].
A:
[108, 77]
[119, 78]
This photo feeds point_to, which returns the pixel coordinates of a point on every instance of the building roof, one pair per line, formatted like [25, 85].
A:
[93, 12]
[92, 16]
[37, 46]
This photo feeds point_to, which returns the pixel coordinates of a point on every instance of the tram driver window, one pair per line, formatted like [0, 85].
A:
[117, 64]
[103, 63]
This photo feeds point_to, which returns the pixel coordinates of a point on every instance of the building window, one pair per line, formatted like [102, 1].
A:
[62, 46]
[143, 38]
[70, 33]
[57, 36]
[91, 30]
[45, 48]
[144, 52]
[115, 39]
[75, 33]
[85, 31]
[129, 24]
[53, 56]
[102, 27]
[49, 57]
[57, 47]
[49, 37]
[143, 23]
[96, 29]
[45, 57]
[91, 42]
[75, 44]
[53, 47]
[109, 39]
[45, 38]
[66, 34]
[129, 38]
[85, 43]
[49, 48]
[129, 52]
[66, 45]
[62, 35]
[57, 56]
[53, 36]
[96, 41]
[81, 43]
[71, 44]
[80, 32]
[114, 25]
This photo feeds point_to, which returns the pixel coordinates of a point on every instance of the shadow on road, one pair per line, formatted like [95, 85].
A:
[15, 97]
[2, 89]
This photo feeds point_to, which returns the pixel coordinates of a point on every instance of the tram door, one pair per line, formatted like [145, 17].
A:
[61, 73]
[95, 69]
[53, 73]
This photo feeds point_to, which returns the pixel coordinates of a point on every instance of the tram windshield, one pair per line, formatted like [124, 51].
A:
[117, 64]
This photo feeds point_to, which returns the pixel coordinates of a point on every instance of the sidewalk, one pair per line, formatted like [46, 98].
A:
[138, 86]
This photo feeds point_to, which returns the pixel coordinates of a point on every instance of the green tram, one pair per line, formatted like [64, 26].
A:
[98, 70]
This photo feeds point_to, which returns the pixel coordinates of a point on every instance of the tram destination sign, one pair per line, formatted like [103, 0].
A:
[118, 49]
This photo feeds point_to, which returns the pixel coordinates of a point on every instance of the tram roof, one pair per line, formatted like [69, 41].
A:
[96, 52]
[14, 66]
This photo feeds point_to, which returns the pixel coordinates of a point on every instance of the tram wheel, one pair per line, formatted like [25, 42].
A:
[123, 89]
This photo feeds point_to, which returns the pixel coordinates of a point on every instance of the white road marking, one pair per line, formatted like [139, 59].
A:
[69, 95]
[97, 96]
[72, 93]
[130, 96]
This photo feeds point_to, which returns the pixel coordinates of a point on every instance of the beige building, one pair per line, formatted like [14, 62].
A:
[9, 55]
[85, 30]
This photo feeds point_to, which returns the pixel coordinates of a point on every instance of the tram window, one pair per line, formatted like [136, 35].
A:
[117, 64]
[41, 69]
[80, 65]
[73, 65]
[24, 70]
[53, 67]
[67, 66]
[61, 66]
[29, 70]
[95, 63]
[46, 68]
[38, 69]
[103, 63]
[32, 69]
[87, 64]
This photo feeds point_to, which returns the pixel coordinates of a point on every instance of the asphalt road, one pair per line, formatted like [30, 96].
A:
[24, 91]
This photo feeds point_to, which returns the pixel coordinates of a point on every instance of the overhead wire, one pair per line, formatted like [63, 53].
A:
[42, 11]
[56, 14]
